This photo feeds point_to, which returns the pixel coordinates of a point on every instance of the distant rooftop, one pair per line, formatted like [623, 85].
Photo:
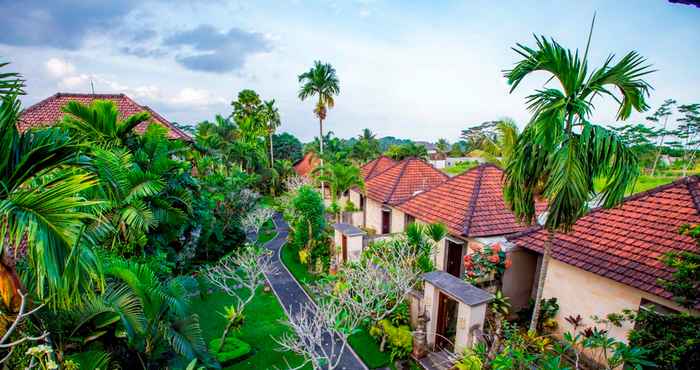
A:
[48, 112]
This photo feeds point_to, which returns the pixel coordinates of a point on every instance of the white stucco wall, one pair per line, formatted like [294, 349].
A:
[374, 215]
[398, 220]
[356, 218]
[580, 292]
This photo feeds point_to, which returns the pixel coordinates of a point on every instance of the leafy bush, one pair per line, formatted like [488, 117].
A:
[233, 349]
[399, 338]
[672, 340]
[309, 225]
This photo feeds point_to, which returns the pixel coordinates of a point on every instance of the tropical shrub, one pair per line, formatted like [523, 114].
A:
[309, 226]
[672, 340]
[232, 349]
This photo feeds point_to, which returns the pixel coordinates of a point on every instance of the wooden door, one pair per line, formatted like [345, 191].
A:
[453, 263]
[345, 248]
[386, 222]
[445, 328]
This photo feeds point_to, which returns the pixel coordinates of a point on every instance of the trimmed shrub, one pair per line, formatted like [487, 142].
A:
[233, 349]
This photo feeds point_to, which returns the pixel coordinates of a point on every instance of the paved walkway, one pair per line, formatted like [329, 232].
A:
[292, 295]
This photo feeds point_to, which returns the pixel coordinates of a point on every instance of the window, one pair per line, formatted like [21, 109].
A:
[407, 220]
[362, 202]
[346, 193]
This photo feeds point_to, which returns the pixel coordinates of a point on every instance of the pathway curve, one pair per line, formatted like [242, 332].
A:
[292, 296]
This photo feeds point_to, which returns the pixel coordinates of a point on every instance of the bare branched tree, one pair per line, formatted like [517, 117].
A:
[254, 220]
[319, 335]
[5, 344]
[240, 275]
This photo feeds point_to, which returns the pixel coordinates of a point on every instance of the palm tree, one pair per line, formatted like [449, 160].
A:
[560, 153]
[442, 147]
[320, 81]
[272, 120]
[366, 148]
[340, 178]
[507, 137]
[99, 123]
[41, 205]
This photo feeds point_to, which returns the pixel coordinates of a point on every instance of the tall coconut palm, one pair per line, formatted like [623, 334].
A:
[442, 147]
[322, 82]
[41, 207]
[560, 153]
[271, 116]
[99, 123]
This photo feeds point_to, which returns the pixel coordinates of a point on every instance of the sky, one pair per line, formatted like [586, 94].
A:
[410, 69]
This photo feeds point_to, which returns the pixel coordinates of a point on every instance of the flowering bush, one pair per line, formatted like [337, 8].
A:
[489, 262]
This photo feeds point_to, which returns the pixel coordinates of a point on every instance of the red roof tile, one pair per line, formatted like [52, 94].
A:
[625, 243]
[402, 181]
[307, 164]
[48, 112]
[376, 166]
[470, 204]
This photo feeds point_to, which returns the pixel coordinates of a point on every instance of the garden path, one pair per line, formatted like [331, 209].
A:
[292, 296]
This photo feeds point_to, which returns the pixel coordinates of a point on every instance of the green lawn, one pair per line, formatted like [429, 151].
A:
[459, 168]
[262, 323]
[644, 183]
[368, 349]
[267, 232]
[290, 258]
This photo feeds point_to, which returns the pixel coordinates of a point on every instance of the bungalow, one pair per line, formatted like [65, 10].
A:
[48, 112]
[610, 260]
[471, 205]
[384, 190]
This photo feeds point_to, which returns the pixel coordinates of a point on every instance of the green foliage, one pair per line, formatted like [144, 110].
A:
[398, 338]
[685, 278]
[548, 310]
[560, 153]
[287, 146]
[366, 148]
[99, 124]
[409, 150]
[41, 202]
[671, 340]
[367, 348]
[309, 226]
[232, 349]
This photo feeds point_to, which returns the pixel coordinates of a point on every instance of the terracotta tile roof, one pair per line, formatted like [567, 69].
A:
[624, 243]
[376, 166]
[307, 164]
[48, 112]
[470, 204]
[403, 180]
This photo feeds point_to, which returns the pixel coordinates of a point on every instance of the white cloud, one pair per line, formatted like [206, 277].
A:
[58, 68]
[195, 97]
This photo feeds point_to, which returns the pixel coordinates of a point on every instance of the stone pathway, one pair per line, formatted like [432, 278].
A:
[292, 296]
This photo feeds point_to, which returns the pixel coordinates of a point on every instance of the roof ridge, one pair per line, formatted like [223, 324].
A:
[398, 179]
[376, 163]
[472, 202]
[686, 181]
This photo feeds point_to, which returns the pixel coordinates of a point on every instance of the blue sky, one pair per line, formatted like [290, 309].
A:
[422, 70]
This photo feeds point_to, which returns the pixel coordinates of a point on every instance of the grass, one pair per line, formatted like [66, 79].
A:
[267, 232]
[460, 168]
[262, 323]
[290, 258]
[644, 183]
[368, 349]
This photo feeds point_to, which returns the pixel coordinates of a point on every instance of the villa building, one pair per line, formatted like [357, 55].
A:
[384, 190]
[610, 260]
[48, 112]
[471, 205]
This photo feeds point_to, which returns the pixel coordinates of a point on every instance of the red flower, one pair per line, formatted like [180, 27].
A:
[494, 258]
[508, 263]
[467, 258]
[468, 265]
[496, 248]
[471, 273]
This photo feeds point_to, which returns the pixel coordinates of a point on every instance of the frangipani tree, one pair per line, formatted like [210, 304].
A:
[560, 153]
